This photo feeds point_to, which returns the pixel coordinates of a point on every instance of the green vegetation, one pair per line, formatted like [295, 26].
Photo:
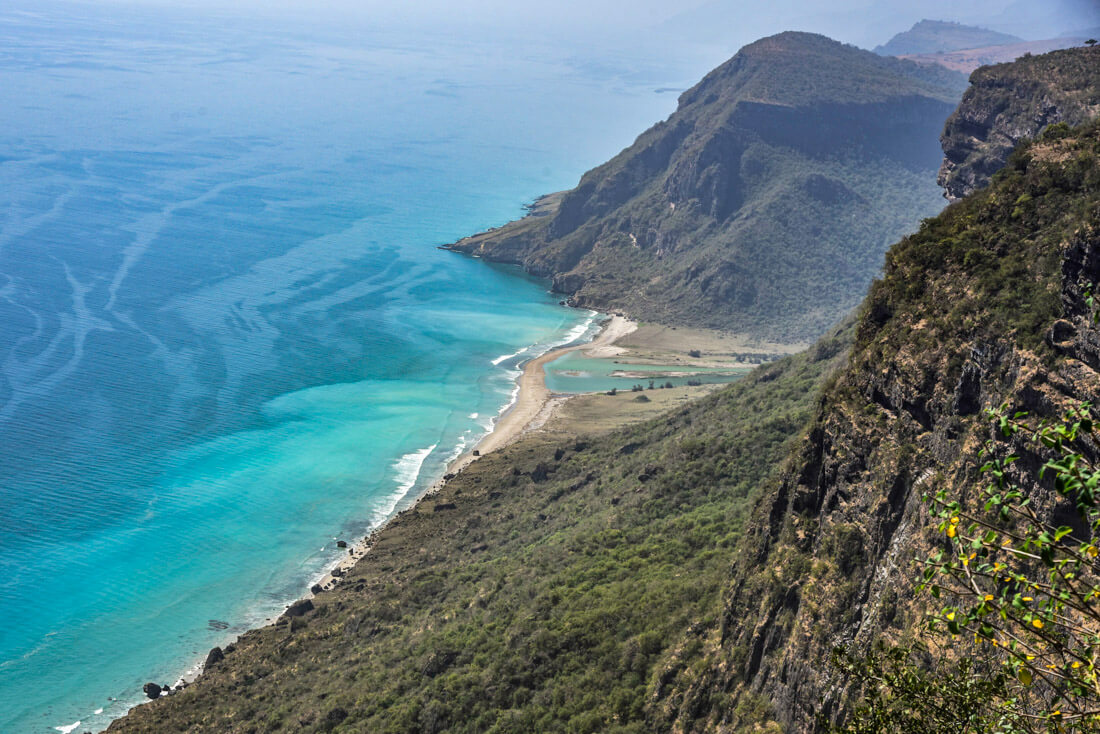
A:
[936, 36]
[988, 268]
[763, 205]
[1023, 593]
[980, 306]
[538, 591]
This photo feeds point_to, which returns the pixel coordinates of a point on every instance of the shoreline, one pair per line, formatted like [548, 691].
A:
[533, 405]
[532, 408]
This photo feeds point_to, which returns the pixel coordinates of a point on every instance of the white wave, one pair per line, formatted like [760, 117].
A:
[407, 472]
[97, 712]
[69, 728]
[459, 448]
[538, 349]
[505, 357]
[577, 331]
[473, 416]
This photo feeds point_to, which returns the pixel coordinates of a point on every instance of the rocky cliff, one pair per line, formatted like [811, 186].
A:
[984, 305]
[1009, 103]
[764, 204]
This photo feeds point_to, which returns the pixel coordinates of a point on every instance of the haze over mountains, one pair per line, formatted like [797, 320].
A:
[935, 36]
[868, 24]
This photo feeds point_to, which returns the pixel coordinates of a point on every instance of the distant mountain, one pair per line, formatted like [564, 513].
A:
[1009, 103]
[936, 36]
[968, 60]
[763, 205]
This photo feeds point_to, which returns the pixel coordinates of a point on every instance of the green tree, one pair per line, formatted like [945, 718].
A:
[1025, 588]
[1016, 647]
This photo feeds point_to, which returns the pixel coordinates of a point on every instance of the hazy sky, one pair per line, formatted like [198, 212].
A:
[726, 22]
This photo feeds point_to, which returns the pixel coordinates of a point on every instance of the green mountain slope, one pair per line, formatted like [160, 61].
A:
[984, 305]
[937, 36]
[1009, 103]
[763, 205]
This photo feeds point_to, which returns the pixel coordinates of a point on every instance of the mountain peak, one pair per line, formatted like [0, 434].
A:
[939, 36]
[779, 157]
[802, 69]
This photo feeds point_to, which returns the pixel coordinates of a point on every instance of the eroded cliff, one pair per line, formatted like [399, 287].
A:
[1009, 103]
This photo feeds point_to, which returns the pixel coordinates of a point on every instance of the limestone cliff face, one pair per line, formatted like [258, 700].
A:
[1009, 103]
[984, 305]
[763, 204]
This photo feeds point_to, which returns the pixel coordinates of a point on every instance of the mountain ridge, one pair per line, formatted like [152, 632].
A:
[693, 573]
[937, 36]
[786, 171]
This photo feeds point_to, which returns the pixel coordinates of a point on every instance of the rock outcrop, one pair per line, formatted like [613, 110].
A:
[1009, 103]
[986, 305]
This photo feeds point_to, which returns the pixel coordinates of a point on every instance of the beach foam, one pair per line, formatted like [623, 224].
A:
[505, 357]
[70, 727]
[407, 472]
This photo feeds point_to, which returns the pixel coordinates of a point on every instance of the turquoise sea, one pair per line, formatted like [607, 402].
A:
[226, 336]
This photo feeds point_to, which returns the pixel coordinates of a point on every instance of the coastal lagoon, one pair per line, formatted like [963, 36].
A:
[574, 373]
[226, 337]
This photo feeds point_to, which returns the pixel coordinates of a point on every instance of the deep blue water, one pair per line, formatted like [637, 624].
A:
[226, 336]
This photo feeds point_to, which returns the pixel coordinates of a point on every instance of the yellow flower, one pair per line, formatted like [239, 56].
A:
[950, 616]
[951, 531]
[1076, 664]
[1093, 551]
[1037, 623]
[989, 597]
[955, 520]
[1028, 598]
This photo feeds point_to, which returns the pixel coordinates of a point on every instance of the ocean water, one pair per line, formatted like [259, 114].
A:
[226, 336]
[574, 373]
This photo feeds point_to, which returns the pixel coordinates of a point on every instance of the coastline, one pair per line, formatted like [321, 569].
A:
[533, 405]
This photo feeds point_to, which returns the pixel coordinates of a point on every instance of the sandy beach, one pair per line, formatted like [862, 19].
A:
[534, 405]
[533, 393]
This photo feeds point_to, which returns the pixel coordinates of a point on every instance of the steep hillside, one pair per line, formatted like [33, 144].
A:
[763, 205]
[1009, 103]
[537, 592]
[985, 304]
[937, 36]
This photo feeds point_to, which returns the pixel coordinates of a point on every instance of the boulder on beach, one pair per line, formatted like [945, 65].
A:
[341, 544]
[215, 656]
[152, 690]
[299, 608]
